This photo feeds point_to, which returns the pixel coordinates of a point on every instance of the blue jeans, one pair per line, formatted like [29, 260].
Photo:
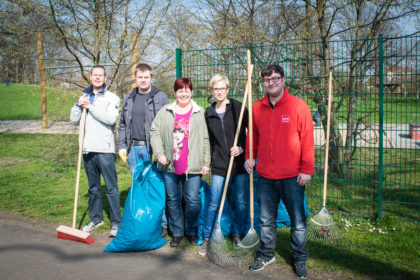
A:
[141, 153]
[95, 165]
[269, 194]
[240, 202]
[178, 186]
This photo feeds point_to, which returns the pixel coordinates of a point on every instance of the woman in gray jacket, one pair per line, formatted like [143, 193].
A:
[180, 142]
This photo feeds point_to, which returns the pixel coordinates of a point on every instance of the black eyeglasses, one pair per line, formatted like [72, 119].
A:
[219, 89]
[273, 79]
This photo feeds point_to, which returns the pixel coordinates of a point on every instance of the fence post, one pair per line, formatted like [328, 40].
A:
[178, 63]
[381, 123]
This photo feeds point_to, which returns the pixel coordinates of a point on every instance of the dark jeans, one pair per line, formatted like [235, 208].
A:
[95, 165]
[269, 194]
[178, 186]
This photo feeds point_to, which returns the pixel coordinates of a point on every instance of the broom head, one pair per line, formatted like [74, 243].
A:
[68, 233]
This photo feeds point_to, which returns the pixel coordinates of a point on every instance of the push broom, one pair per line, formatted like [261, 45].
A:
[71, 233]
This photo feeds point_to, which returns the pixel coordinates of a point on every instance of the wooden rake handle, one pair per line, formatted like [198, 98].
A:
[235, 142]
[79, 163]
[251, 142]
[327, 144]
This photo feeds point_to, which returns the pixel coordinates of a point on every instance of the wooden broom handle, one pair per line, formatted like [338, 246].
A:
[330, 95]
[79, 162]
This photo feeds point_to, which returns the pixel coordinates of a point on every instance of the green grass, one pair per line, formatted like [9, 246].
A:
[23, 102]
[37, 177]
[386, 249]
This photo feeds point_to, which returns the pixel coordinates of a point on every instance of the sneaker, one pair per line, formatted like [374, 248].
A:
[164, 232]
[236, 240]
[193, 239]
[203, 248]
[91, 226]
[114, 231]
[300, 270]
[176, 240]
[259, 264]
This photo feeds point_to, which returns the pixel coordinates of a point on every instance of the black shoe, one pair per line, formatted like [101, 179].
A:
[192, 239]
[236, 240]
[164, 232]
[300, 270]
[259, 264]
[176, 240]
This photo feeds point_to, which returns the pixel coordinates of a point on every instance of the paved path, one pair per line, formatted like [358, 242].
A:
[29, 249]
[36, 127]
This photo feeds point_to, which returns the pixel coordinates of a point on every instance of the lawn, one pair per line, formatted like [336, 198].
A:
[23, 102]
[37, 175]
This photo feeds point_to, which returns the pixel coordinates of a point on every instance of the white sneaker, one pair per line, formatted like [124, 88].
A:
[91, 226]
[114, 231]
[203, 248]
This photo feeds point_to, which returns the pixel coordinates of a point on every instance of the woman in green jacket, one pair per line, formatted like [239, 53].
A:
[180, 142]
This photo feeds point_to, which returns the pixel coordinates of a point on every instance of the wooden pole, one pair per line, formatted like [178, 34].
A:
[43, 81]
[133, 61]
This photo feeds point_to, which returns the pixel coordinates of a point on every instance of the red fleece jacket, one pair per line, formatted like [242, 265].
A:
[283, 138]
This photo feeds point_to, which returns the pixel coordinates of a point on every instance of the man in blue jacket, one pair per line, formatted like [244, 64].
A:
[138, 110]
[99, 147]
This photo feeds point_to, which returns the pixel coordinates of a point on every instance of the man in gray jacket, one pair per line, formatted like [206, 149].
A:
[138, 110]
[99, 147]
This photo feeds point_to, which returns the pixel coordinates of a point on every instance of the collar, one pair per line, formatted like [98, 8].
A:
[89, 90]
[212, 108]
[196, 108]
[283, 99]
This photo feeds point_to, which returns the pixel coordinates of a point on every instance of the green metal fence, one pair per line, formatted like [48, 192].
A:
[375, 136]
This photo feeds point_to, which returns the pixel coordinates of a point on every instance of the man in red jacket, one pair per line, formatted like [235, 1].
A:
[283, 145]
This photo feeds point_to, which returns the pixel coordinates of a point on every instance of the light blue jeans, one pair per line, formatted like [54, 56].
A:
[141, 153]
[239, 189]
[177, 187]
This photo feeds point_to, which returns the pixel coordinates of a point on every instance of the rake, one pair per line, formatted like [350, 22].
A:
[251, 239]
[321, 225]
[218, 251]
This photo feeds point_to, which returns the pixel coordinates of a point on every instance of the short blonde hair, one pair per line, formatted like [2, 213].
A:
[217, 78]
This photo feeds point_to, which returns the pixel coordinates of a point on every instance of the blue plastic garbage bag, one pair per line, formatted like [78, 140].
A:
[225, 220]
[140, 228]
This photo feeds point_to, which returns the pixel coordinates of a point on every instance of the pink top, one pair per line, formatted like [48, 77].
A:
[181, 132]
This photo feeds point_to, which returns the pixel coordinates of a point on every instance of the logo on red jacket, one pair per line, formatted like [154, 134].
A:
[285, 118]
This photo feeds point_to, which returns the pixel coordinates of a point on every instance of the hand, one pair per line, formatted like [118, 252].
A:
[162, 159]
[123, 155]
[84, 103]
[303, 179]
[249, 166]
[236, 151]
[205, 170]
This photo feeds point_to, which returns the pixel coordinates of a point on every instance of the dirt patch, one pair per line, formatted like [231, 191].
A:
[11, 163]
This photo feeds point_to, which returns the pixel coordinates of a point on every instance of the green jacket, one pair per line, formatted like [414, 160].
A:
[161, 138]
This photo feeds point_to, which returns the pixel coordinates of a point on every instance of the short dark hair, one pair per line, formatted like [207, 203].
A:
[98, 66]
[183, 82]
[143, 67]
[272, 68]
